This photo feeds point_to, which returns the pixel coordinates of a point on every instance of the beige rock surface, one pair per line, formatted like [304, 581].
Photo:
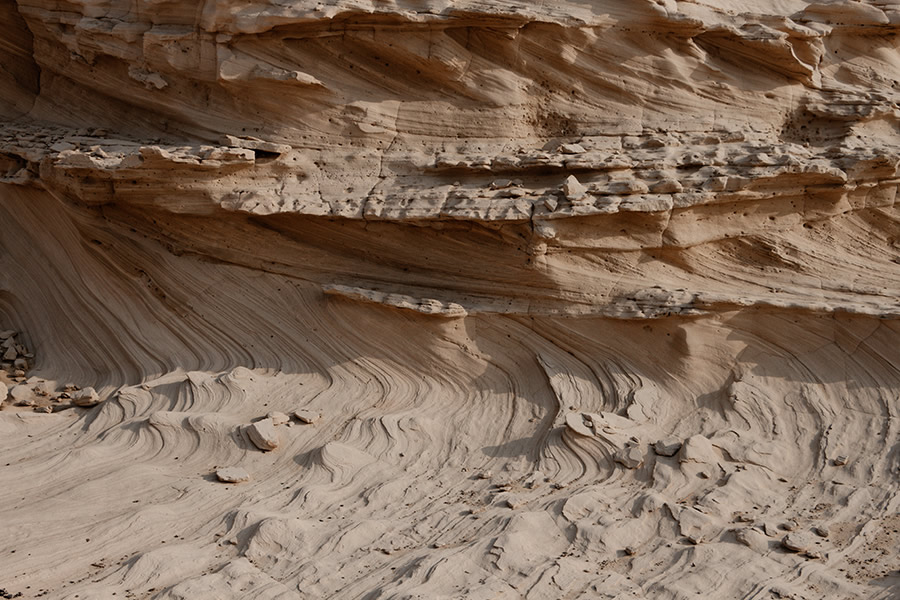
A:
[592, 298]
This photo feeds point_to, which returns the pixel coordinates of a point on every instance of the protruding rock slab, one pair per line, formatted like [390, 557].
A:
[263, 434]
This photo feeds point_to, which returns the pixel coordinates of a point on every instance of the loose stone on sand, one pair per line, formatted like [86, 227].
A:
[86, 397]
[232, 475]
[307, 417]
[263, 434]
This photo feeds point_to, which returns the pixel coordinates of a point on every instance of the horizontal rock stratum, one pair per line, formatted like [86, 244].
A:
[487, 299]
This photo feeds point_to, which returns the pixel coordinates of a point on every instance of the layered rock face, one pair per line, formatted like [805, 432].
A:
[430, 299]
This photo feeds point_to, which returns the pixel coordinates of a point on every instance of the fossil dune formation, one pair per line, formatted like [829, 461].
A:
[431, 299]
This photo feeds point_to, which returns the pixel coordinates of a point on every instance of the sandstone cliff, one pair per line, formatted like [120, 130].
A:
[571, 299]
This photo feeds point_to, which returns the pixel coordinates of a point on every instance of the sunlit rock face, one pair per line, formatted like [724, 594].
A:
[431, 299]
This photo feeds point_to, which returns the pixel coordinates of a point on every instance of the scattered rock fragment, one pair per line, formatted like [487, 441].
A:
[86, 397]
[21, 395]
[771, 529]
[4, 392]
[840, 461]
[10, 354]
[667, 447]
[796, 542]
[821, 530]
[43, 388]
[573, 189]
[263, 434]
[232, 475]
[630, 457]
[278, 418]
[307, 416]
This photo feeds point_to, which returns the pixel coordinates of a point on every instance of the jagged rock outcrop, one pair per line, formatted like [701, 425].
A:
[584, 299]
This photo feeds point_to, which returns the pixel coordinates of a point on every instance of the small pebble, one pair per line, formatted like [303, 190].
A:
[821, 530]
[306, 416]
[840, 461]
[232, 475]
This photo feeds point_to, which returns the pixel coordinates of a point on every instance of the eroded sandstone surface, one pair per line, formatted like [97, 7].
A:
[433, 299]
